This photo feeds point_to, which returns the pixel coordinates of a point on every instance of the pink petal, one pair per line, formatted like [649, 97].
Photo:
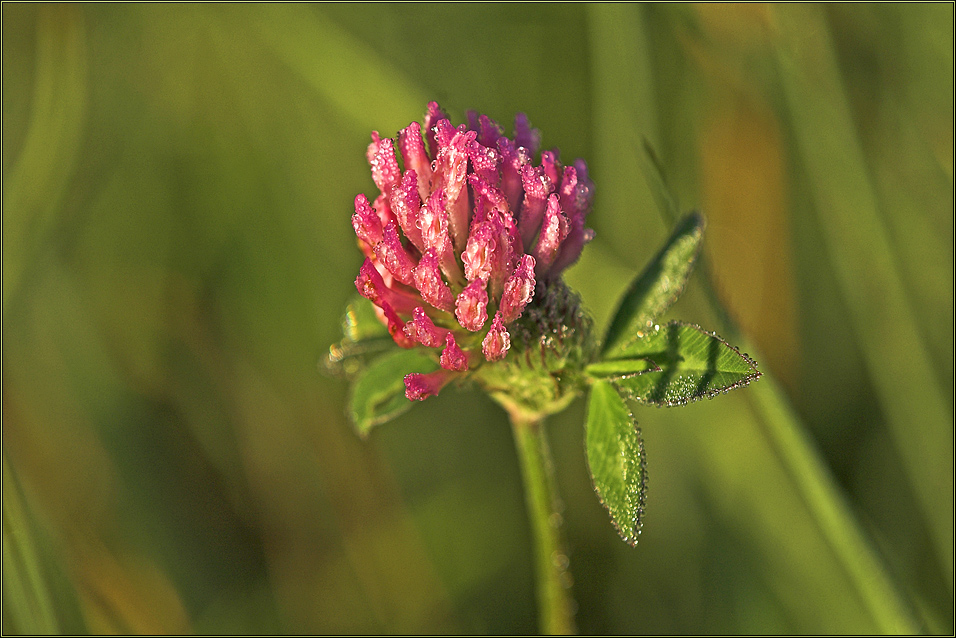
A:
[452, 357]
[519, 290]
[413, 155]
[484, 161]
[571, 249]
[582, 169]
[575, 193]
[433, 222]
[537, 187]
[486, 192]
[419, 387]
[396, 327]
[383, 210]
[550, 164]
[525, 136]
[472, 306]
[432, 117]
[496, 343]
[406, 204]
[444, 133]
[423, 330]
[381, 157]
[488, 131]
[579, 193]
[395, 257]
[430, 284]
[489, 252]
[513, 161]
[371, 285]
[365, 221]
[478, 254]
[452, 165]
[554, 230]
[472, 116]
[492, 249]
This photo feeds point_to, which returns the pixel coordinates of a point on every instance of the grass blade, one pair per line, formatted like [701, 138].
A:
[27, 599]
[882, 318]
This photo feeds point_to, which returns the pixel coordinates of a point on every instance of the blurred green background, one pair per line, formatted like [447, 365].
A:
[177, 252]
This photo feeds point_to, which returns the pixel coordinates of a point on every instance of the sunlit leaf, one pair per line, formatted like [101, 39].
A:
[379, 393]
[691, 364]
[615, 453]
[657, 287]
[621, 368]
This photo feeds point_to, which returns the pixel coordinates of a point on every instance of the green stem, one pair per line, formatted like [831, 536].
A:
[552, 578]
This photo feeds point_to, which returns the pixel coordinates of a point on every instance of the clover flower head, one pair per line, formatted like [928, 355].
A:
[462, 234]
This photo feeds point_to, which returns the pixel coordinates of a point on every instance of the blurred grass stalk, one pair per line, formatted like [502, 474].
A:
[782, 426]
[810, 475]
[882, 318]
[34, 190]
[369, 89]
[32, 200]
[27, 597]
[825, 501]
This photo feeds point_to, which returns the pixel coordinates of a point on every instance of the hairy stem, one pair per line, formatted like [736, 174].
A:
[552, 578]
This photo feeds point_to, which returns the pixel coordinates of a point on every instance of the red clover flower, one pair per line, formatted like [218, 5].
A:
[463, 236]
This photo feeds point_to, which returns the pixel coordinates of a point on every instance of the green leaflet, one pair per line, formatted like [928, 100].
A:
[378, 394]
[692, 364]
[656, 288]
[621, 368]
[615, 454]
